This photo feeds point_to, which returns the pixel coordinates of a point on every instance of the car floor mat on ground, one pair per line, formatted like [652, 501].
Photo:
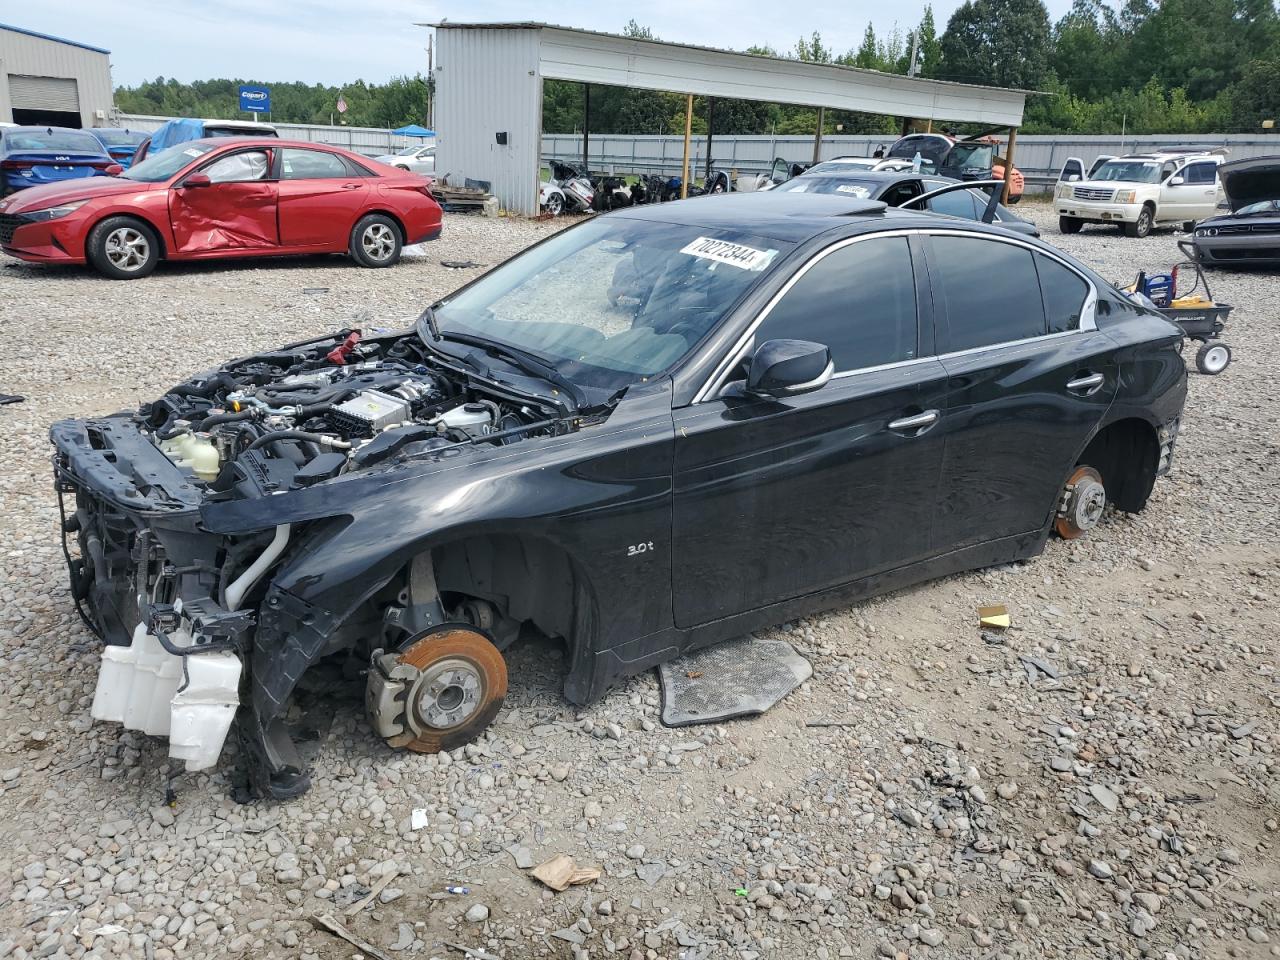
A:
[732, 679]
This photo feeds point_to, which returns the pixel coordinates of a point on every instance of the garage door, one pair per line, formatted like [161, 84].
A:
[43, 93]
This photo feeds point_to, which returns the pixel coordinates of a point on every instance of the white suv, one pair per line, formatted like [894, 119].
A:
[1140, 191]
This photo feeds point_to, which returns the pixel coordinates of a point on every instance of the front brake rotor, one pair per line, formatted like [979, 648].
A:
[439, 691]
[1083, 500]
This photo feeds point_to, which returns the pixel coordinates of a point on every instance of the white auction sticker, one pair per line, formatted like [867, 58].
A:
[734, 254]
[192, 152]
[857, 191]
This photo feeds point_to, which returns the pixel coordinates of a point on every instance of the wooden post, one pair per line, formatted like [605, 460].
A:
[817, 136]
[1008, 165]
[688, 132]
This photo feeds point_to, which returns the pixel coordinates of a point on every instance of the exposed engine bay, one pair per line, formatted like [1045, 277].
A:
[197, 632]
[304, 415]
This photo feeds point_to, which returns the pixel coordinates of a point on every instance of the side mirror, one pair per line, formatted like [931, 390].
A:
[114, 170]
[785, 368]
[1177, 181]
[197, 180]
[1224, 205]
[1073, 177]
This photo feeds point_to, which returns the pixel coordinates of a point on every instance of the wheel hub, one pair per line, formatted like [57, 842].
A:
[1084, 498]
[447, 694]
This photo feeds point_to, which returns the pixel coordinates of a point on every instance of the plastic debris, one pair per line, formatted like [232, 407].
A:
[418, 819]
[459, 891]
[561, 872]
[995, 617]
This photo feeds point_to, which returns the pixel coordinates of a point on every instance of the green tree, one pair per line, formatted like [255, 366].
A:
[1001, 42]
[1254, 97]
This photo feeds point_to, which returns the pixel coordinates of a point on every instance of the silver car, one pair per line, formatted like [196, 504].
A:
[416, 159]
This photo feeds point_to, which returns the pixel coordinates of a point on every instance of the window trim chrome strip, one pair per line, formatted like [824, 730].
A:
[712, 386]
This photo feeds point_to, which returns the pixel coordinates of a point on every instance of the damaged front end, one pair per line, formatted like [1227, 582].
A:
[197, 635]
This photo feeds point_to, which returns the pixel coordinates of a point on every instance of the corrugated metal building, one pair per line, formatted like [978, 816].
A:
[47, 80]
[489, 91]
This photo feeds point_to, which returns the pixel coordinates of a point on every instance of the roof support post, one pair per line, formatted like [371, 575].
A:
[711, 120]
[586, 126]
[817, 136]
[1008, 165]
[688, 133]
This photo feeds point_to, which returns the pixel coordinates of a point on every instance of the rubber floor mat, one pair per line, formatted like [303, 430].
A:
[736, 678]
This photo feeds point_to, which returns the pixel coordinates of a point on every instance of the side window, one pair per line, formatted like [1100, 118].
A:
[311, 165]
[959, 203]
[859, 300]
[1200, 173]
[990, 289]
[900, 193]
[1064, 293]
[239, 167]
[1167, 171]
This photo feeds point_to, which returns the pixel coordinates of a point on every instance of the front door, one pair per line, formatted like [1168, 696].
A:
[1028, 381]
[235, 211]
[1195, 196]
[319, 198]
[779, 498]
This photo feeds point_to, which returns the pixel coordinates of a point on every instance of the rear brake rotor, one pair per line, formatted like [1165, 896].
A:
[1083, 500]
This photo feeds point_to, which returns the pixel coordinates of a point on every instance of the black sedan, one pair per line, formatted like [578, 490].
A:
[659, 429]
[1250, 233]
[914, 190]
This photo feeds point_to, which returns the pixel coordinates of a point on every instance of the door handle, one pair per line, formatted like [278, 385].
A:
[1086, 384]
[351, 186]
[915, 424]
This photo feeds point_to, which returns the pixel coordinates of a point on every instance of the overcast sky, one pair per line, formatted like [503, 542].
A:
[333, 41]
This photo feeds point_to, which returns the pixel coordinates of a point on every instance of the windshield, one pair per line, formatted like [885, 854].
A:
[52, 140]
[845, 186]
[1261, 206]
[1129, 171]
[119, 138]
[971, 156]
[612, 301]
[407, 151]
[163, 165]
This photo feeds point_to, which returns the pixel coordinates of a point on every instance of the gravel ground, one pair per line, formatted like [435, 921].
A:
[1128, 808]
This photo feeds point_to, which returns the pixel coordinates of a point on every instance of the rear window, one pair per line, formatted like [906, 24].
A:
[991, 291]
[841, 186]
[119, 138]
[51, 140]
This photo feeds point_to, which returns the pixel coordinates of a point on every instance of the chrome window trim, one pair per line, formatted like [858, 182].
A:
[712, 386]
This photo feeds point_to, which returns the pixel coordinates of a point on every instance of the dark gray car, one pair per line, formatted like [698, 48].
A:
[1250, 233]
[896, 188]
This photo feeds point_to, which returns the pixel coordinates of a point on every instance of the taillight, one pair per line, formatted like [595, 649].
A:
[16, 164]
[102, 164]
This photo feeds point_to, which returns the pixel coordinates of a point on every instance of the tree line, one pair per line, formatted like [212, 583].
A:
[1147, 66]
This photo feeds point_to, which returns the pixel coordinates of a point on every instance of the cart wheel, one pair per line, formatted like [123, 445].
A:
[1212, 358]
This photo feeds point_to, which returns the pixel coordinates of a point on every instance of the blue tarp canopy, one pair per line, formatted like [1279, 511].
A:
[413, 130]
[176, 131]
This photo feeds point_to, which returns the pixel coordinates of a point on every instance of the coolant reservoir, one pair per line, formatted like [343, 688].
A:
[203, 457]
[472, 418]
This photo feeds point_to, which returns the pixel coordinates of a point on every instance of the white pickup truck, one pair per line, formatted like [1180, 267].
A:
[1139, 191]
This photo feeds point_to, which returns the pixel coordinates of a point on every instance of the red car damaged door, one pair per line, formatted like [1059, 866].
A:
[320, 197]
[226, 204]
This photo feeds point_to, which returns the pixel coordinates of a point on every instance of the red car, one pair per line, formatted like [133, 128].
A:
[223, 197]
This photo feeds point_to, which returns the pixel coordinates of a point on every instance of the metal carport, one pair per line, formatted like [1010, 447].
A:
[488, 107]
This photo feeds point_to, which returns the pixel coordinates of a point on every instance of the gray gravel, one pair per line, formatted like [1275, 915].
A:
[1128, 809]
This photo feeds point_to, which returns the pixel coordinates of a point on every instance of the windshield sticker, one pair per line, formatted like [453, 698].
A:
[734, 254]
[861, 192]
[192, 152]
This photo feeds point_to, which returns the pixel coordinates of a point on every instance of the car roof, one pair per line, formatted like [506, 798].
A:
[854, 172]
[262, 142]
[41, 128]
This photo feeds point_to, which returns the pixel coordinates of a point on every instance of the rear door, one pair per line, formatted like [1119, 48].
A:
[780, 498]
[320, 196]
[1029, 378]
[237, 211]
